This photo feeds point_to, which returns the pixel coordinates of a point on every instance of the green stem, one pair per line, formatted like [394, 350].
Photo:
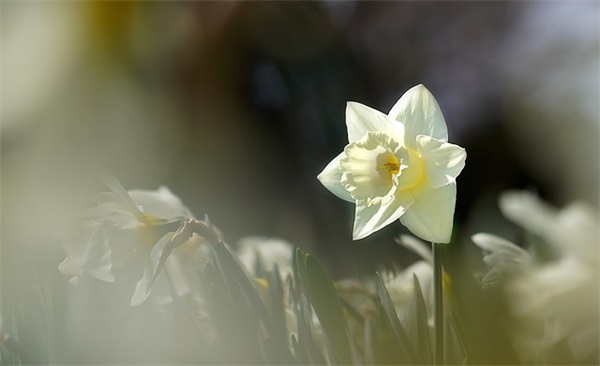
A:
[438, 310]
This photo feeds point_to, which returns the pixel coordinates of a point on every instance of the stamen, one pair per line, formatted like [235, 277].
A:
[393, 168]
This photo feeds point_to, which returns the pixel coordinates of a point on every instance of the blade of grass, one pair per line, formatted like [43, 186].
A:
[232, 271]
[455, 352]
[369, 355]
[277, 306]
[394, 323]
[328, 307]
[417, 323]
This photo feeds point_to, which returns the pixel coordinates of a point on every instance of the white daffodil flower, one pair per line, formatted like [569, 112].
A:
[398, 166]
[559, 296]
[127, 229]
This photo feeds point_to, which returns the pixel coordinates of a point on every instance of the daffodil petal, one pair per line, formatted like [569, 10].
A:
[161, 203]
[142, 287]
[361, 119]
[152, 268]
[98, 256]
[493, 243]
[431, 216]
[330, 177]
[112, 215]
[112, 183]
[420, 113]
[369, 219]
[501, 256]
[443, 161]
[528, 210]
[75, 258]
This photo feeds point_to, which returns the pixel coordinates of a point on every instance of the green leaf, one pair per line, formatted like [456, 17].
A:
[25, 356]
[307, 348]
[243, 293]
[369, 355]
[408, 354]
[417, 325]
[328, 307]
[306, 332]
[355, 314]
[299, 269]
[354, 352]
[238, 283]
[277, 306]
[454, 351]
[234, 321]
[220, 311]
[273, 354]
[299, 351]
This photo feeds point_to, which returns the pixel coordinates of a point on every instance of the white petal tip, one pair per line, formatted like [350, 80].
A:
[357, 236]
[138, 300]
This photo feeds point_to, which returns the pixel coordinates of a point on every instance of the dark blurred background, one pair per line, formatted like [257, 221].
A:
[237, 106]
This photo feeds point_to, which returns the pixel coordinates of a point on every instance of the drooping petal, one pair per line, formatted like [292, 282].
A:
[420, 113]
[152, 268]
[330, 177]
[577, 231]
[501, 254]
[528, 210]
[360, 119]
[113, 215]
[370, 218]
[443, 161]
[74, 253]
[573, 229]
[493, 243]
[98, 256]
[431, 216]
[161, 203]
[142, 287]
[112, 183]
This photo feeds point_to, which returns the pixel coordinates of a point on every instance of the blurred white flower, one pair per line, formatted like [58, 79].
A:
[260, 254]
[398, 166]
[417, 246]
[559, 295]
[502, 257]
[130, 230]
[572, 231]
[400, 286]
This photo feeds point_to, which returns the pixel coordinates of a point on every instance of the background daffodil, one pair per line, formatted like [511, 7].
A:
[398, 166]
[128, 230]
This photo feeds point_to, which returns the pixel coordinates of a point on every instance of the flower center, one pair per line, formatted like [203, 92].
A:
[413, 174]
[371, 166]
[149, 220]
[391, 166]
[377, 167]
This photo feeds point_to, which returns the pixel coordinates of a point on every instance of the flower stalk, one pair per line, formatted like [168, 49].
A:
[438, 309]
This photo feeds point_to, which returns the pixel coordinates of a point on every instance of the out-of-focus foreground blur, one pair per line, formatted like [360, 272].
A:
[237, 106]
